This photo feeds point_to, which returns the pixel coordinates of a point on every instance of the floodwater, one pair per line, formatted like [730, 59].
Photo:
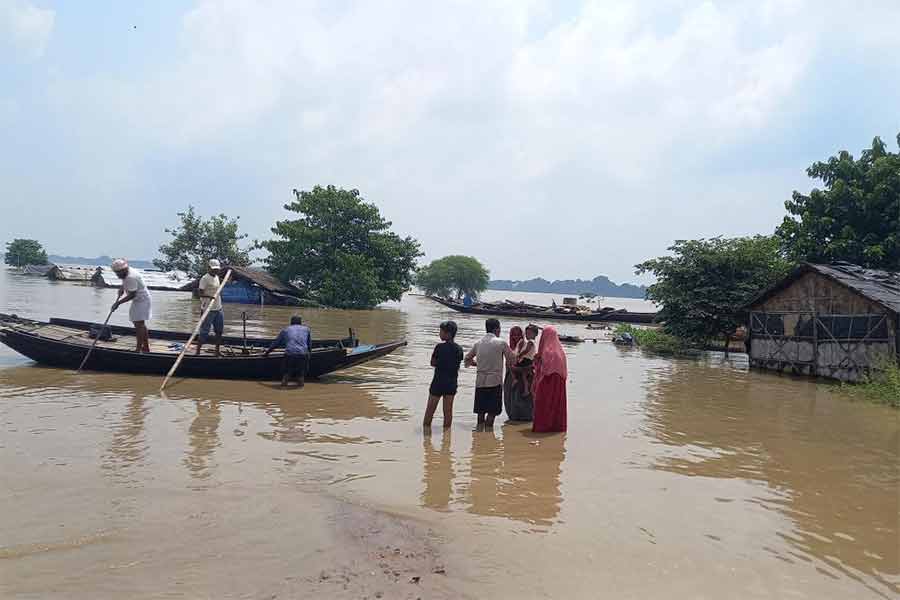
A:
[677, 478]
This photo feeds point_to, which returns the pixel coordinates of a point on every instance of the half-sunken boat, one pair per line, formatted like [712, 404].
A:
[64, 343]
[520, 310]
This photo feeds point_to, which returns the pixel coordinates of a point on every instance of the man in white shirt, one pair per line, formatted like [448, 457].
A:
[487, 356]
[133, 290]
[207, 287]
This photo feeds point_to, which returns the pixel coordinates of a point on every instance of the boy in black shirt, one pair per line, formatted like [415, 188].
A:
[445, 359]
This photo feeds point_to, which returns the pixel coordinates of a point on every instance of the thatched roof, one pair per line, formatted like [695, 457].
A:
[879, 286]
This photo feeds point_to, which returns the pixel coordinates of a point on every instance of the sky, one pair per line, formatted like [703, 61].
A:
[559, 139]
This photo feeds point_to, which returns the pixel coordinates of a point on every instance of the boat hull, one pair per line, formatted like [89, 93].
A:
[58, 353]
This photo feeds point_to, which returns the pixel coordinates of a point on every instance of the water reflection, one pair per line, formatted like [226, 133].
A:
[838, 488]
[438, 472]
[532, 467]
[516, 476]
[203, 439]
[129, 446]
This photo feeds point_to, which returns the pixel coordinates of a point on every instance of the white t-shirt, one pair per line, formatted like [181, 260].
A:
[133, 282]
[488, 353]
[208, 286]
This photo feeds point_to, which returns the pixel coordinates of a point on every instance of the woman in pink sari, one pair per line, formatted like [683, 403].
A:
[550, 376]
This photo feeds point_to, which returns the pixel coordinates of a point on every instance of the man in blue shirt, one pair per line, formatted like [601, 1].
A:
[296, 339]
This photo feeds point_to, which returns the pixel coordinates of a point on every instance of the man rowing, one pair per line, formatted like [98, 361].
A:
[208, 286]
[133, 290]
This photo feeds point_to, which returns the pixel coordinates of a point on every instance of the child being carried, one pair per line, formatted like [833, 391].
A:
[525, 350]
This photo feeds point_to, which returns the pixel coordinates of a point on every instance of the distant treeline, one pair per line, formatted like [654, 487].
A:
[600, 285]
[99, 261]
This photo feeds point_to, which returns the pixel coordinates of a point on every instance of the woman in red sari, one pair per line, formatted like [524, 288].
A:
[550, 376]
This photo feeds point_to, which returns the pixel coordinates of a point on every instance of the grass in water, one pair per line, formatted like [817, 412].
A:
[653, 339]
[882, 386]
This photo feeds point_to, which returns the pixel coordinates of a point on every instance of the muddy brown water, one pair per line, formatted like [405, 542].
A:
[682, 478]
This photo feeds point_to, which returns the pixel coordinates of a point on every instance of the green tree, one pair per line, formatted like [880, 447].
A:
[856, 218]
[21, 252]
[453, 275]
[705, 284]
[341, 250]
[195, 241]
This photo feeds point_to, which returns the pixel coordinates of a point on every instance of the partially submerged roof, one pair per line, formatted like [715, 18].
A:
[263, 279]
[879, 286]
[154, 280]
[39, 270]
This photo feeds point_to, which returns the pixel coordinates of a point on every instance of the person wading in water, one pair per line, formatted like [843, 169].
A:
[487, 356]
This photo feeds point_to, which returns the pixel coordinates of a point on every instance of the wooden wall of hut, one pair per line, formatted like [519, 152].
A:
[817, 326]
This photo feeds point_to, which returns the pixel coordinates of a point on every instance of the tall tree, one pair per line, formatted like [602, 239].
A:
[341, 250]
[453, 275]
[196, 240]
[21, 252]
[705, 284]
[856, 218]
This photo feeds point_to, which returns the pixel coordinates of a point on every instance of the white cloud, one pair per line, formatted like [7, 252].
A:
[27, 27]
[588, 123]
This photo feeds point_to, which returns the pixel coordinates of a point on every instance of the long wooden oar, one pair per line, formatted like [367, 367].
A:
[96, 339]
[196, 329]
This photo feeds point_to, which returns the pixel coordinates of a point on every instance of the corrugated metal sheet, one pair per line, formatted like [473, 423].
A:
[154, 280]
[259, 277]
[882, 287]
[71, 272]
[264, 280]
[36, 270]
[879, 286]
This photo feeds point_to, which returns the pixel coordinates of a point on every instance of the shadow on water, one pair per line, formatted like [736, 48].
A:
[828, 465]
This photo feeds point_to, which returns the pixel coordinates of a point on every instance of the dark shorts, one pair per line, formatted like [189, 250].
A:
[294, 365]
[489, 400]
[442, 387]
[214, 319]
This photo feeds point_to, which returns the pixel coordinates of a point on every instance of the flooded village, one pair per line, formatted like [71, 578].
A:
[327, 350]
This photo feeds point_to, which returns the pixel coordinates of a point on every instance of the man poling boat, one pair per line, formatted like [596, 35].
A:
[215, 318]
[134, 291]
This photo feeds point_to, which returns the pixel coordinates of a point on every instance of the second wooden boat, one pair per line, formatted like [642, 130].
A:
[529, 312]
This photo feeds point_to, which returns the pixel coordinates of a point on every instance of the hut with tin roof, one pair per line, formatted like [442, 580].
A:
[838, 321]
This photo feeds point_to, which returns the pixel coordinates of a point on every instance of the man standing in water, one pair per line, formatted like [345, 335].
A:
[487, 356]
[133, 290]
[207, 287]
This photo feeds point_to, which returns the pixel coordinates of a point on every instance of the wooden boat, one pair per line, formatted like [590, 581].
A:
[63, 343]
[529, 311]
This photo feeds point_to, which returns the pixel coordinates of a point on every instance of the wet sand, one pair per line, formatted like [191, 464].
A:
[681, 479]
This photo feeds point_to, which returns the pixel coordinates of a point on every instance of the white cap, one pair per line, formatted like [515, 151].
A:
[120, 264]
[214, 264]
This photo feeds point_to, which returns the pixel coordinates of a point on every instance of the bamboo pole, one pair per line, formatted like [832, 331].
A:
[196, 329]
[96, 339]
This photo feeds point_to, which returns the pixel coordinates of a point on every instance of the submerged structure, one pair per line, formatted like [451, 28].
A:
[838, 321]
[82, 273]
[167, 281]
[36, 270]
[249, 285]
